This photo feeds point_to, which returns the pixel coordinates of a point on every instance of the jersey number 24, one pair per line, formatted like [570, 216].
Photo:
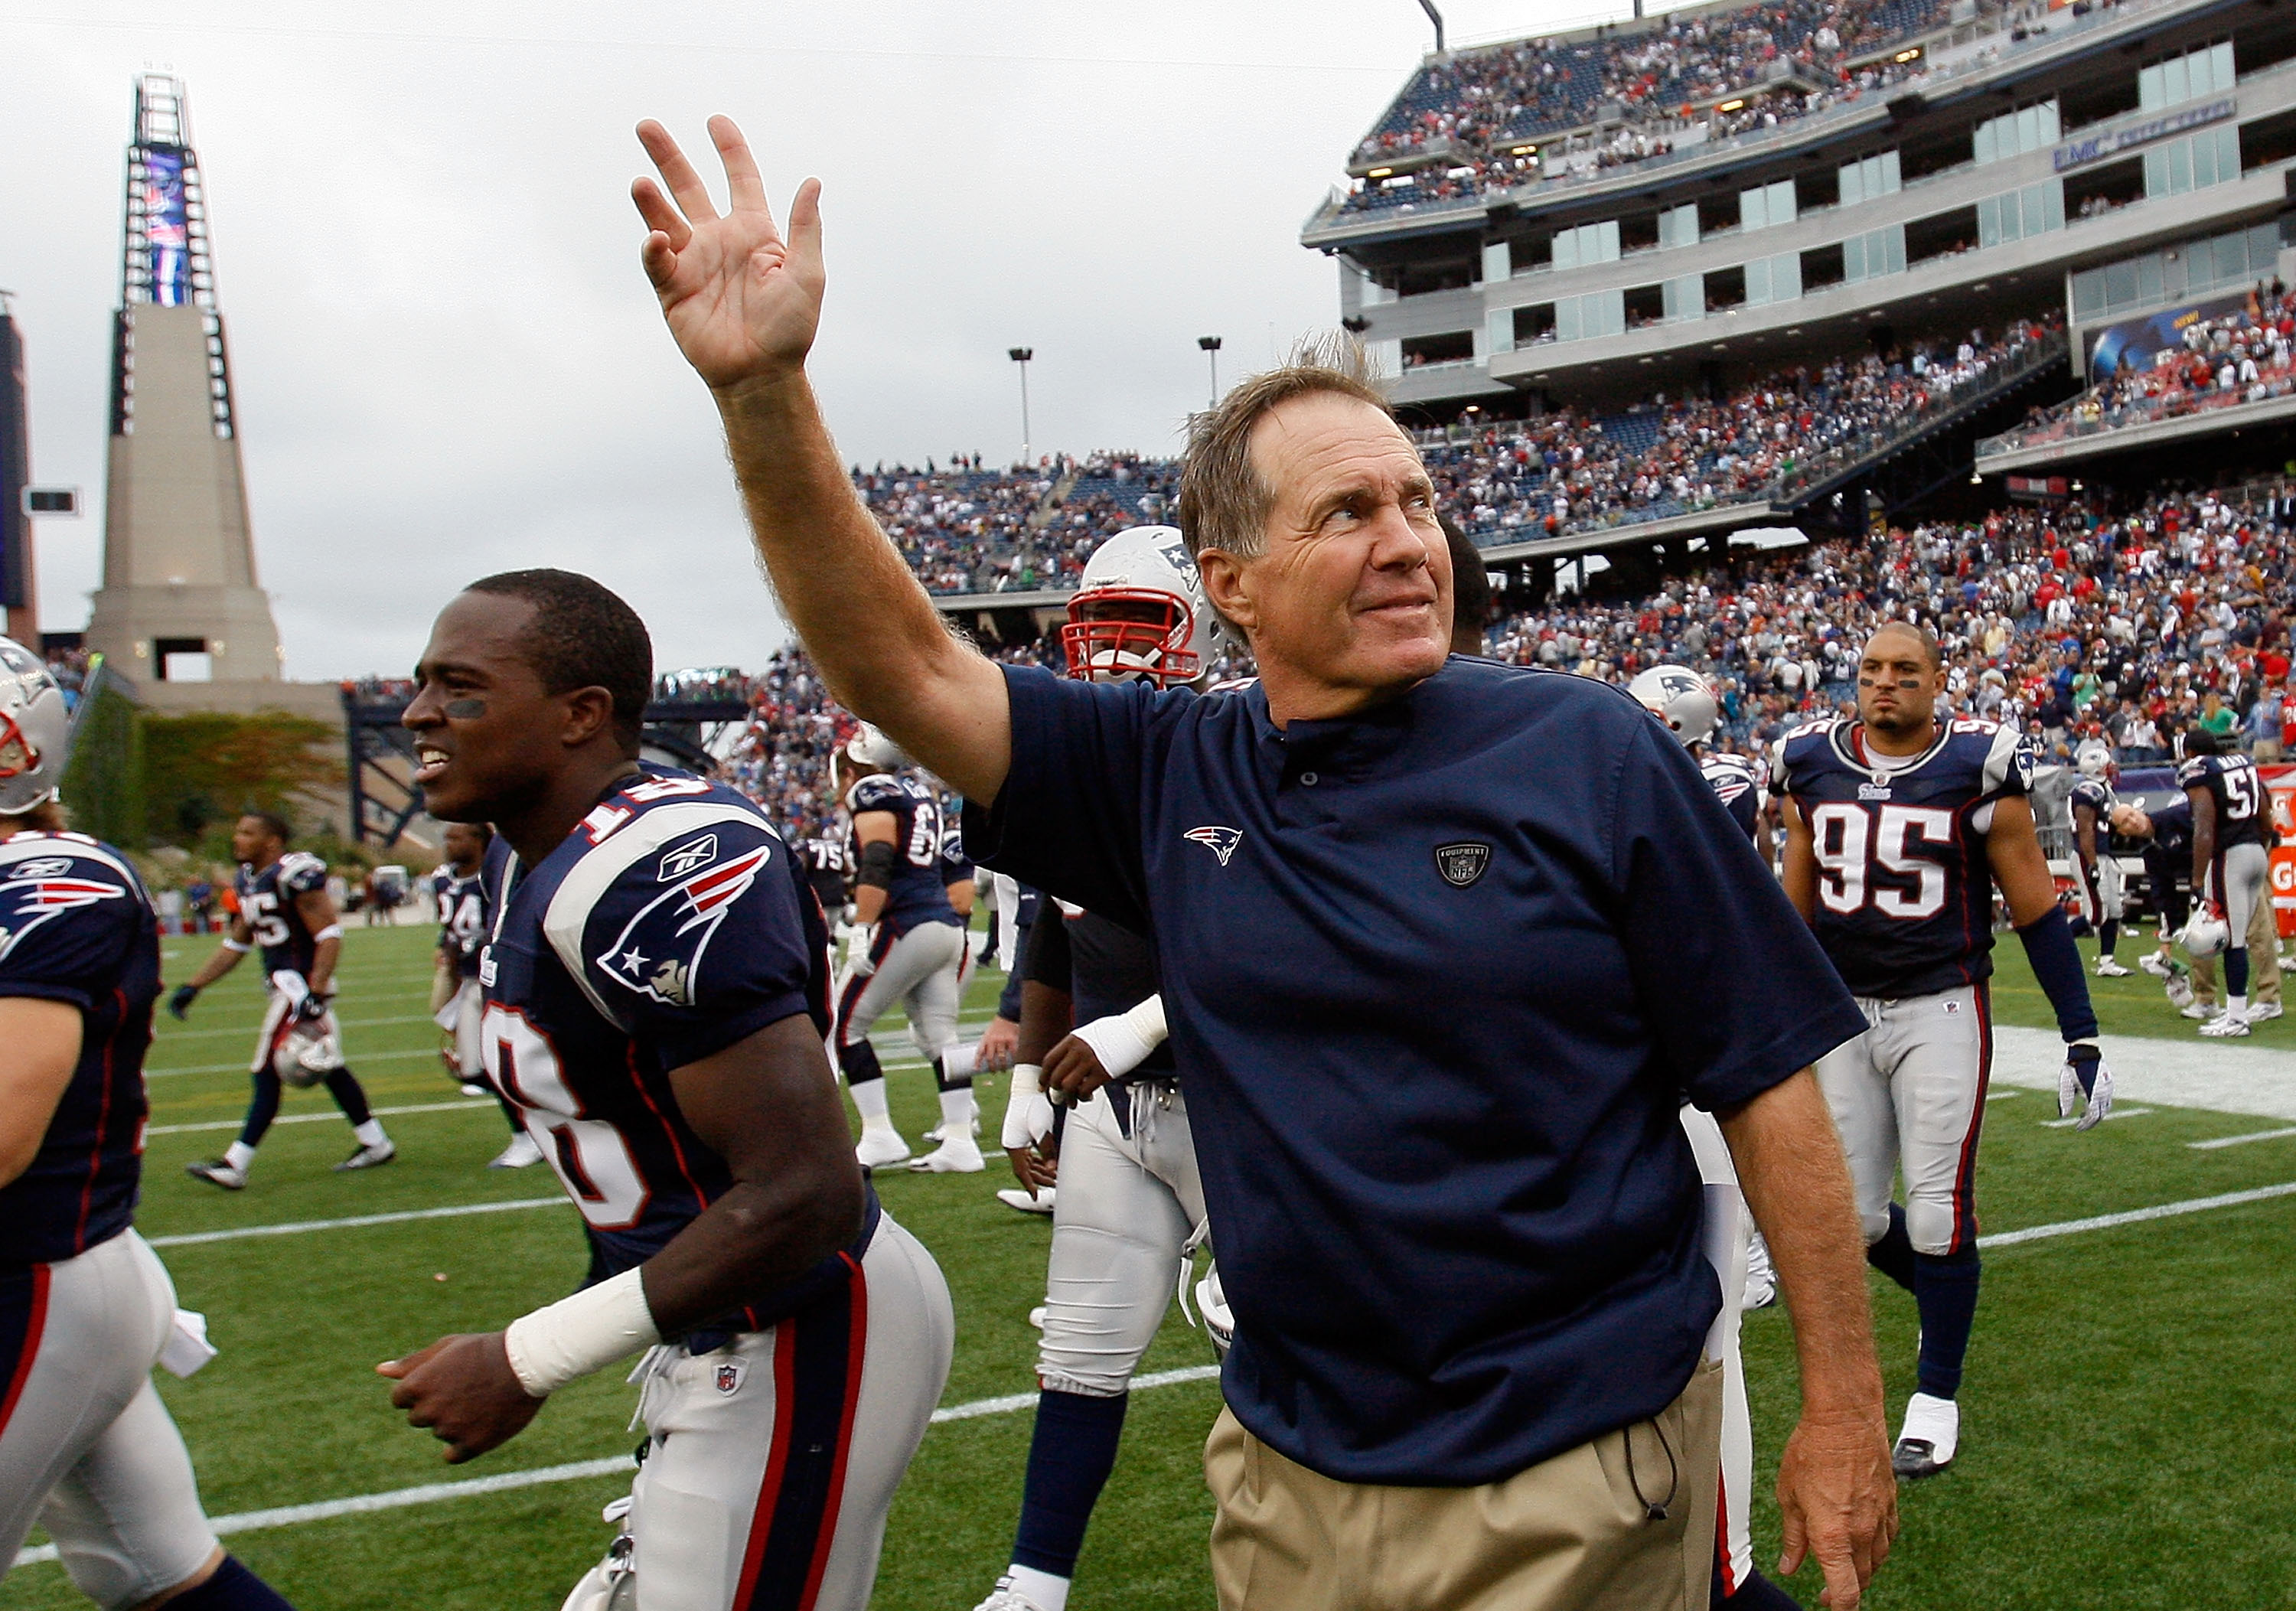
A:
[1851, 840]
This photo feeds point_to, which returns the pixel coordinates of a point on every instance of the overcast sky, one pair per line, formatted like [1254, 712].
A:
[445, 359]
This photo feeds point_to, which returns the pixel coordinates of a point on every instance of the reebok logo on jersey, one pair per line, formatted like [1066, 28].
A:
[1462, 863]
[1220, 842]
[47, 867]
[691, 855]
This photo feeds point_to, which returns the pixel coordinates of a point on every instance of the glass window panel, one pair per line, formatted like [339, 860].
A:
[2228, 153]
[2029, 128]
[1606, 241]
[2149, 90]
[1989, 221]
[1753, 209]
[1566, 250]
[1986, 140]
[2120, 284]
[1853, 184]
[1566, 319]
[1614, 312]
[1890, 180]
[2089, 292]
[1785, 277]
[2171, 273]
[2221, 57]
[2053, 203]
[2177, 81]
[2029, 212]
[1853, 259]
[1758, 281]
[2051, 127]
[2156, 173]
[1782, 209]
[1894, 240]
[2205, 162]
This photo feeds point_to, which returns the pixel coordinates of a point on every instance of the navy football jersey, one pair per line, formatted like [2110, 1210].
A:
[918, 894]
[1737, 784]
[76, 926]
[462, 902]
[2231, 782]
[1904, 890]
[823, 860]
[267, 903]
[671, 923]
[955, 866]
[2172, 826]
[2096, 794]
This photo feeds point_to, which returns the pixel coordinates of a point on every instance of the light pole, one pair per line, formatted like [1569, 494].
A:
[1021, 356]
[1211, 346]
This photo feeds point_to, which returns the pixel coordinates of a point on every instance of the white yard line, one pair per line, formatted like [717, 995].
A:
[289, 1516]
[247, 1030]
[380, 1113]
[430, 1052]
[2137, 1216]
[2118, 1113]
[199, 1238]
[2254, 1135]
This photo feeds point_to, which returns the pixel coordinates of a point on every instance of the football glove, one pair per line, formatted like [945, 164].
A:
[2084, 1085]
[310, 1009]
[179, 1002]
[859, 940]
[1029, 1114]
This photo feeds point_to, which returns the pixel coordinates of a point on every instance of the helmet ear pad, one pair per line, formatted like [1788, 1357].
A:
[35, 730]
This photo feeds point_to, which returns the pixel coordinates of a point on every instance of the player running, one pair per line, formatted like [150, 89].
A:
[1898, 824]
[1128, 1199]
[657, 995]
[284, 908]
[86, 1448]
[2098, 886]
[905, 945]
[460, 891]
[2231, 868]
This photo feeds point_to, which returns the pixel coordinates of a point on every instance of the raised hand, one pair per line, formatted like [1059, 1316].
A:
[742, 302]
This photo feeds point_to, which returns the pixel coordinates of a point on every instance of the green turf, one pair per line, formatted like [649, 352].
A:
[2121, 1447]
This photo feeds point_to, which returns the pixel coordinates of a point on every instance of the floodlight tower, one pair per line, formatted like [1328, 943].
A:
[179, 594]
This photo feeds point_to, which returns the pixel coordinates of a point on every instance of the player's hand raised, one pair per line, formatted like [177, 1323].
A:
[741, 299]
[463, 1390]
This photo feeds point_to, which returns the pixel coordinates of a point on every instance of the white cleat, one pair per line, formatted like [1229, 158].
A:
[369, 1157]
[881, 1147]
[219, 1173]
[1930, 1436]
[1014, 1196]
[521, 1154]
[2204, 1011]
[2107, 968]
[957, 1156]
[472, 1088]
[1004, 1597]
[2224, 1026]
[2258, 1011]
[1037, 1316]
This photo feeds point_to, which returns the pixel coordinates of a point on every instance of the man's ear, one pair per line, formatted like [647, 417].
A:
[589, 712]
[1227, 586]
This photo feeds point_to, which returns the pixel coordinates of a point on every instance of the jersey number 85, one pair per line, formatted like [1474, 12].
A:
[1849, 841]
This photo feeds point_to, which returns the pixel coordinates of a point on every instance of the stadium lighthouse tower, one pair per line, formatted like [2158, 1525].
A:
[179, 600]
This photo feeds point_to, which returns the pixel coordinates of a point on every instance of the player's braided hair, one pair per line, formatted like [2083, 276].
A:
[582, 636]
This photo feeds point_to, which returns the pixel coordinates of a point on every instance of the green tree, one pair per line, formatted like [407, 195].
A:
[206, 768]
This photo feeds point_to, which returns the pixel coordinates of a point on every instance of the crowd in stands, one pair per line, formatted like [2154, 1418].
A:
[1566, 471]
[948, 524]
[1786, 60]
[2243, 356]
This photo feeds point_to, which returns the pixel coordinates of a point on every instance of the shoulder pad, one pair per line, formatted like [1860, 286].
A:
[2193, 772]
[696, 855]
[878, 794]
[300, 873]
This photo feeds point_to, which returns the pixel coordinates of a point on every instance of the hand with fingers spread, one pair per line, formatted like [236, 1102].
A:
[741, 299]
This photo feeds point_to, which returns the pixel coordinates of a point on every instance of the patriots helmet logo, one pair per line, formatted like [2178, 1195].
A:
[659, 952]
[1221, 842]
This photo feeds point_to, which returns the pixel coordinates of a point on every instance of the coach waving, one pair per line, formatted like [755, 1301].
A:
[1443, 945]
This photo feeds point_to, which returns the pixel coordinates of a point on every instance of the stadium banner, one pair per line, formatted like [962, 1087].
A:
[2281, 781]
[167, 229]
[2137, 340]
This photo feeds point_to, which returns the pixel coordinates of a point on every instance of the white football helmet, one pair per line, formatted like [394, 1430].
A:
[310, 1052]
[1140, 614]
[2204, 934]
[1679, 697]
[2093, 761]
[34, 728]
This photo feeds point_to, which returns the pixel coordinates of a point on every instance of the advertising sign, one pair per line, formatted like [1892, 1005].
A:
[2282, 783]
[167, 229]
[2138, 340]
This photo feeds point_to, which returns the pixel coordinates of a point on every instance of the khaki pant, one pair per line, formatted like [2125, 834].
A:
[2263, 960]
[1570, 1533]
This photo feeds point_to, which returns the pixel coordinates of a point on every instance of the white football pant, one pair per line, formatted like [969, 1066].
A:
[918, 970]
[1910, 1093]
[2101, 899]
[1126, 1208]
[87, 1450]
[461, 1017]
[771, 1462]
[2240, 880]
[1725, 1234]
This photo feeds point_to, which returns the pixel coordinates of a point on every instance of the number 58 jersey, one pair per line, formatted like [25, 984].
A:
[671, 923]
[1905, 889]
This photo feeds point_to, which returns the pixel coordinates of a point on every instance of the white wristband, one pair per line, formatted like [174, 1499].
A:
[237, 947]
[577, 1335]
[1028, 1112]
[334, 931]
[1123, 1041]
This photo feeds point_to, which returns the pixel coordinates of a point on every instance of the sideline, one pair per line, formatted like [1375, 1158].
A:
[395, 1498]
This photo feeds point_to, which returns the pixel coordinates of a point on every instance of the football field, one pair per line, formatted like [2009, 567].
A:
[2125, 1439]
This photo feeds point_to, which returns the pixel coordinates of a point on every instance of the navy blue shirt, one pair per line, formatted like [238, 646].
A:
[2242, 805]
[1737, 784]
[1438, 976]
[462, 902]
[266, 905]
[76, 928]
[671, 923]
[919, 891]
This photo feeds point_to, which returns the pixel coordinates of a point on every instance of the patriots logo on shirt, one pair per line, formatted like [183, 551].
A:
[41, 890]
[659, 952]
[1221, 842]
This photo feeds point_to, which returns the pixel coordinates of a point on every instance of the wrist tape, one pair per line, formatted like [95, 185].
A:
[1028, 1112]
[577, 1335]
[1123, 1041]
[237, 947]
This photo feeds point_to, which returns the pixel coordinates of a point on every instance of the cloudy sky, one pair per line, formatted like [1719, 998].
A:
[447, 362]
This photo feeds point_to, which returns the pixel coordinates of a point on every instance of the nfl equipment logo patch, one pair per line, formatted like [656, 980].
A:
[729, 1378]
[1462, 863]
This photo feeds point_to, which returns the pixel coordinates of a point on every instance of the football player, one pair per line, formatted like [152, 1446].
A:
[2098, 885]
[86, 1448]
[656, 999]
[1128, 1200]
[2165, 837]
[1898, 826]
[905, 945]
[459, 886]
[284, 908]
[821, 853]
[2231, 868]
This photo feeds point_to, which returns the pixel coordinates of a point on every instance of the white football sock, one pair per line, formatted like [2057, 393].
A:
[1042, 1589]
[2237, 1005]
[239, 1154]
[869, 1096]
[956, 1119]
[370, 1134]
